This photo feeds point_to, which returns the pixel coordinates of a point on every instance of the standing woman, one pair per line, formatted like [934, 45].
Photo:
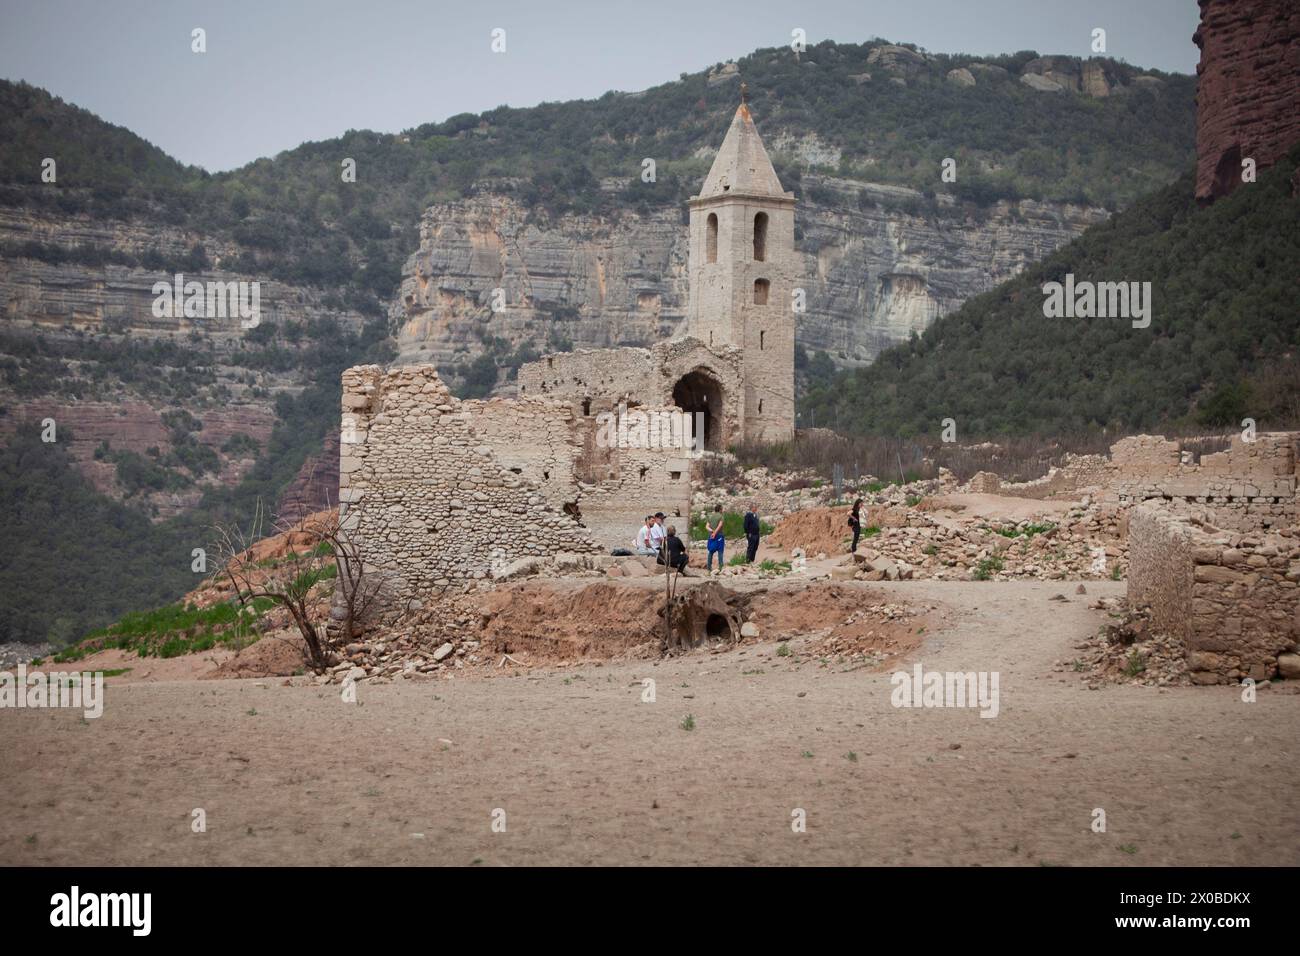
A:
[855, 522]
[717, 541]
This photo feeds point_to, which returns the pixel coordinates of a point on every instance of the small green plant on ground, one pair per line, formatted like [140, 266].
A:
[1115, 573]
[870, 531]
[913, 500]
[780, 567]
[1028, 531]
[736, 561]
[1136, 663]
[930, 549]
[173, 630]
[783, 650]
[987, 568]
[688, 722]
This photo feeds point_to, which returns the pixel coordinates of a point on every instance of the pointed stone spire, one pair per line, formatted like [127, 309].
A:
[742, 166]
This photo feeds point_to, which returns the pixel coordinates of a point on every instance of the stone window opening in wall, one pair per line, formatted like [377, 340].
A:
[761, 337]
[760, 406]
[644, 469]
[550, 362]
[586, 408]
[760, 291]
[674, 476]
[711, 241]
[760, 237]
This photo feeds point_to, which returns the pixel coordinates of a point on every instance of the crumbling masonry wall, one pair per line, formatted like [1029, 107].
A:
[598, 380]
[1233, 598]
[607, 487]
[424, 495]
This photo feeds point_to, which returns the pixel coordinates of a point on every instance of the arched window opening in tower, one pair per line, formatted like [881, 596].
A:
[711, 241]
[760, 237]
[760, 291]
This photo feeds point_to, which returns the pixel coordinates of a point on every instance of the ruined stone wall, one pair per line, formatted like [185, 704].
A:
[598, 380]
[424, 494]
[1250, 486]
[606, 485]
[1076, 474]
[1233, 598]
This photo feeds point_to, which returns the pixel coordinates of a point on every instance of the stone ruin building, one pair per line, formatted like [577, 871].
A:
[1214, 544]
[439, 492]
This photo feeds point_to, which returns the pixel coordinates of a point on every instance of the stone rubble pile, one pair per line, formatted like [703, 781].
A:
[419, 646]
[1129, 650]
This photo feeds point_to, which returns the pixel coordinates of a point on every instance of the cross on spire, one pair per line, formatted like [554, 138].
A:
[744, 92]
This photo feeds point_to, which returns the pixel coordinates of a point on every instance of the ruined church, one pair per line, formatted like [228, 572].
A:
[439, 492]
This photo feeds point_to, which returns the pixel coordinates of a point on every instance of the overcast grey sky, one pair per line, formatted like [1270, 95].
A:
[281, 72]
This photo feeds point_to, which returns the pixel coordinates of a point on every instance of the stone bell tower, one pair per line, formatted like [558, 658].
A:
[743, 267]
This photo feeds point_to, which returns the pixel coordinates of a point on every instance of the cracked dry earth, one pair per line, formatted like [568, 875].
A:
[588, 773]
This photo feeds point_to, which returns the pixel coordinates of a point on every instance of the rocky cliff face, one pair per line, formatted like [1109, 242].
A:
[879, 262]
[1248, 93]
[84, 348]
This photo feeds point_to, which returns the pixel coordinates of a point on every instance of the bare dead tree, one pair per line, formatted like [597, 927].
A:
[315, 543]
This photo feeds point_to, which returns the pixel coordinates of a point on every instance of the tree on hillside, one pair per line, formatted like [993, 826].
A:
[319, 549]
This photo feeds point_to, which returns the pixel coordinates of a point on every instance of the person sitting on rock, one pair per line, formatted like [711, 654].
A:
[676, 551]
[644, 544]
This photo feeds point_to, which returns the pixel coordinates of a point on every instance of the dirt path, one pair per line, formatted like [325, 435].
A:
[588, 773]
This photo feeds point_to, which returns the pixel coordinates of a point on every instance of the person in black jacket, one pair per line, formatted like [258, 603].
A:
[752, 529]
[855, 522]
[676, 550]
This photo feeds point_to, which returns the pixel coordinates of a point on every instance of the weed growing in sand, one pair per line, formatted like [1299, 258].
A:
[807, 755]
[1028, 531]
[1114, 573]
[987, 568]
[930, 549]
[251, 712]
[688, 722]
[116, 672]
[736, 561]
[783, 650]
[1136, 663]
[851, 757]
[1078, 666]
[870, 531]
[913, 500]
[1128, 848]
[779, 567]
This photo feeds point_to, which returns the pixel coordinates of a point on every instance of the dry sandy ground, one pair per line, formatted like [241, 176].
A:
[588, 773]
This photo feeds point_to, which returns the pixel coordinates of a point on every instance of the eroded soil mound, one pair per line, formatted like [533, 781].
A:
[845, 621]
[550, 623]
[280, 654]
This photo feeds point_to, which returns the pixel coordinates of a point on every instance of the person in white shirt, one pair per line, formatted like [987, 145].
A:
[657, 533]
[643, 542]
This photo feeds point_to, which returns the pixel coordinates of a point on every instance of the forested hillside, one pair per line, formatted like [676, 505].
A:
[1222, 344]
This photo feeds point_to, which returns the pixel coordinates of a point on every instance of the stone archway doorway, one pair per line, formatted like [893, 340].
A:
[698, 392]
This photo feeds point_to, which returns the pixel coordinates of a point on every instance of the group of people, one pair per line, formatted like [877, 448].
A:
[655, 538]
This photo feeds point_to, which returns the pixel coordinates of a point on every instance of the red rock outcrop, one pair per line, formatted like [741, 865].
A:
[1248, 94]
[316, 486]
